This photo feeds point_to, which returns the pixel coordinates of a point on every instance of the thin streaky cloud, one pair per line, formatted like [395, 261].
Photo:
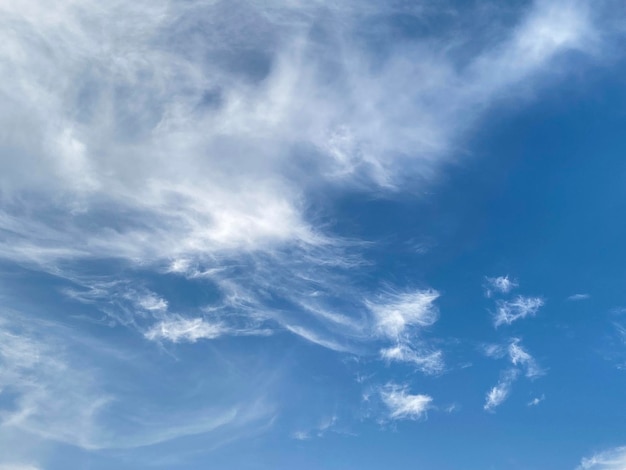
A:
[499, 285]
[183, 329]
[65, 394]
[509, 311]
[501, 391]
[402, 404]
[578, 297]
[174, 168]
[18, 466]
[191, 205]
[317, 339]
[494, 351]
[395, 313]
[520, 357]
[429, 362]
[612, 459]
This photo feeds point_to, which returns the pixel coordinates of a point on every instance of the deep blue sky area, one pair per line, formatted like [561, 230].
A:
[349, 235]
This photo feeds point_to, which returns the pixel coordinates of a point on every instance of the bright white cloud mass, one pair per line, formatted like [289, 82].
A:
[205, 209]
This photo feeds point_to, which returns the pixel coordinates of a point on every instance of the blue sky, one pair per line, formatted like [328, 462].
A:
[338, 235]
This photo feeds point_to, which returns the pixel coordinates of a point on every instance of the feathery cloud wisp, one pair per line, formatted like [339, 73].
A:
[499, 285]
[508, 311]
[500, 392]
[578, 297]
[429, 362]
[17, 466]
[612, 459]
[403, 405]
[137, 137]
[520, 357]
[183, 329]
[394, 313]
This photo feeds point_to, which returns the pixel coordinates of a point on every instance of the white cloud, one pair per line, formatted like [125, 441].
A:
[429, 362]
[402, 405]
[325, 425]
[520, 357]
[621, 331]
[508, 311]
[612, 459]
[315, 338]
[152, 303]
[301, 435]
[185, 329]
[498, 394]
[521, 360]
[577, 297]
[178, 329]
[394, 313]
[535, 401]
[516, 353]
[18, 466]
[499, 285]
[66, 388]
[399, 317]
[55, 399]
[197, 155]
[128, 146]
[494, 351]
[136, 136]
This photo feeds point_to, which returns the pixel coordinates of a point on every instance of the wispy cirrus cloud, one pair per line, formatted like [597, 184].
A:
[403, 405]
[521, 362]
[509, 311]
[55, 400]
[195, 140]
[184, 329]
[499, 285]
[400, 317]
[186, 160]
[325, 425]
[578, 297]
[500, 392]
[520, 357]
[612, 459]
[105, 145]
[66, 389]
[428, 361]
[18, 466]
[396, 313]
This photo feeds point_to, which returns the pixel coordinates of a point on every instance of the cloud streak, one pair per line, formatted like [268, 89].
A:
[500, 392]
[66, 389]
[521, 361]
[164, 157]
[403, 405]
[520, 357]
[198, 153]
[429, 362]
[612, 459]
[509, 311]
[578, 297]
[161, 142]
[499, 285]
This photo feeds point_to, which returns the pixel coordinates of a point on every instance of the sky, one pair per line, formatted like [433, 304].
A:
[345, 235]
